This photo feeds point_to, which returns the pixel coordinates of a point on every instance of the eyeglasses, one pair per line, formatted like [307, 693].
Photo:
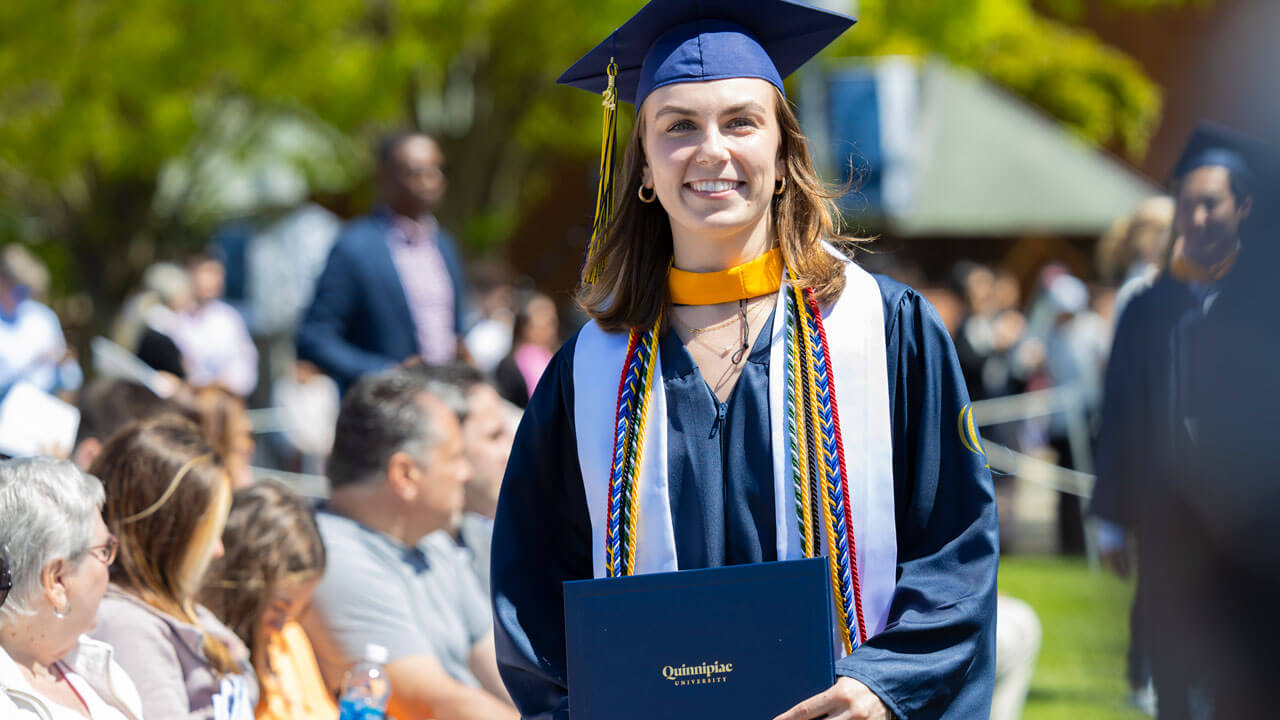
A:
[6, 582]
[106, 552]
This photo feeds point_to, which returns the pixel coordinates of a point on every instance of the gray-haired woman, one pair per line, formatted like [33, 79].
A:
[58, 551]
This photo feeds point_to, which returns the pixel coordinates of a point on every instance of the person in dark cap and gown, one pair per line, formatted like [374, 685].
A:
[1223, 552]
[1147, 443]
[719, 292]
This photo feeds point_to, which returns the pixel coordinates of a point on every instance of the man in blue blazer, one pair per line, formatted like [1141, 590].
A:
[392, 287]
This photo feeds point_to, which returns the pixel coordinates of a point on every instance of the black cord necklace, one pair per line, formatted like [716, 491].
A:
[742, 315]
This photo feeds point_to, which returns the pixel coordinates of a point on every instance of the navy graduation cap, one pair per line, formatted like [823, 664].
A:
[672, 41]
[676, 41]
[1214, 145]
[1255, 172]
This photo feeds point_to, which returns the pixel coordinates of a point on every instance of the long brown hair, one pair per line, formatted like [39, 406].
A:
[271, 537]
[636, 251]
[224, 419]
[167, 498]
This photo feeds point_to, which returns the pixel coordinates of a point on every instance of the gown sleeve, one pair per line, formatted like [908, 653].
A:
[1122, 433]
[541, 538]
[936, 655]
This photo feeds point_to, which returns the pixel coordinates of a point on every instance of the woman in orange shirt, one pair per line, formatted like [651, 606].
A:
[274, 560]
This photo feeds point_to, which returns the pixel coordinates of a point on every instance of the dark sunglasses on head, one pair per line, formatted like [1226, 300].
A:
[6, 582]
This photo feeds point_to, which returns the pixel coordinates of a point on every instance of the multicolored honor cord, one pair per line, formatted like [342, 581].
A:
[634, 389]
[818, 471]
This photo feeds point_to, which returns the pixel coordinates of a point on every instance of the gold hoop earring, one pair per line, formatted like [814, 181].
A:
[780, 186]
[653, 195]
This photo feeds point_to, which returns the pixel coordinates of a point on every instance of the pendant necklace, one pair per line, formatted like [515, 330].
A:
[744, 325]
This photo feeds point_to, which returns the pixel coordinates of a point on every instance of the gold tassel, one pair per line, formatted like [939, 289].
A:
[604, 191]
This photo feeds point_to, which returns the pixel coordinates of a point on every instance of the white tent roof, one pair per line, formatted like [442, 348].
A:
[984, 162]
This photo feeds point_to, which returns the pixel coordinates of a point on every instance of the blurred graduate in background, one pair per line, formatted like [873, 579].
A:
[1179, 450]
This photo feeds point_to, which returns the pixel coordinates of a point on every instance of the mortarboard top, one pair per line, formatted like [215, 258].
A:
[1220, 146]
[673, 41]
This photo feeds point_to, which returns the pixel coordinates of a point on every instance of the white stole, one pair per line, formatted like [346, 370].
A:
[855, 334]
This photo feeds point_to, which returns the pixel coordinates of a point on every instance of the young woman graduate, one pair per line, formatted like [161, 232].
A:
[744, 392]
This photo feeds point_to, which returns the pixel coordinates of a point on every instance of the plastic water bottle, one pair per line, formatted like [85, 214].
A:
[365, 687]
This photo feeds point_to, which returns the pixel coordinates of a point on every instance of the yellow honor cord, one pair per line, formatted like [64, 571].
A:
[604, 191]
[757, 277]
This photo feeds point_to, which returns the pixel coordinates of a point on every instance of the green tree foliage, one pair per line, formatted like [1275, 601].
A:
[115, 115]
[1075, 9]
[1095, 90]
[112, 112]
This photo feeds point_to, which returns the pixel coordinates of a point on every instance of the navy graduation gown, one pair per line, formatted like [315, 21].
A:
[1218, 554]
[1135, 455]
[1137, 434]
[936, 656]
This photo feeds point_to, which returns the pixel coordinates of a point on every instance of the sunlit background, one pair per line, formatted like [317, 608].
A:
[996, 148]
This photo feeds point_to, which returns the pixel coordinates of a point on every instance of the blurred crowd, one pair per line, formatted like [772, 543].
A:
[153, 572]
[155, 556]
[1054, 335]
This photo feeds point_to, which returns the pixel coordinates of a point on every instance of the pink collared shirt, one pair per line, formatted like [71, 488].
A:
[428, 288]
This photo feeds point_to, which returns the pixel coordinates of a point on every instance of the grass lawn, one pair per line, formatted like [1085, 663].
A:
[1085, 616]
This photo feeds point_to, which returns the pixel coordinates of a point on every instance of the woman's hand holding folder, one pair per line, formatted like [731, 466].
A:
[848, 699]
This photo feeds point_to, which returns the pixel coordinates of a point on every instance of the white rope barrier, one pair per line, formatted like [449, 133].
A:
[1040, 472]
[1039, 403]
[265, 421]
[1067, 400]
[995, 411]
[312, 486]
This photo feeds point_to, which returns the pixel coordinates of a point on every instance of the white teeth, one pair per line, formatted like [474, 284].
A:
[713, 185]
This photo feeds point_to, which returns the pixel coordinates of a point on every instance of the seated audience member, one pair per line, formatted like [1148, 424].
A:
[58, 550]
[225, 421]
[106, 405]
[535, 338]
[492, 301]
[273, 560]
[488, 428]
[397, 473]
[215, 344]
[306, 403]
[1018, 636]
[167, 501]
[32, 347]
[148, 321]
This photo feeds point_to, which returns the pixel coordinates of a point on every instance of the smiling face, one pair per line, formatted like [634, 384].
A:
[1209, 214]
[712, 156]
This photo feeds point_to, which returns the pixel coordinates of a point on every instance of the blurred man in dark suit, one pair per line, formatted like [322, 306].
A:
[392, 288]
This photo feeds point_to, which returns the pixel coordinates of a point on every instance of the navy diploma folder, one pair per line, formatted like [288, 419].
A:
[745, 641]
